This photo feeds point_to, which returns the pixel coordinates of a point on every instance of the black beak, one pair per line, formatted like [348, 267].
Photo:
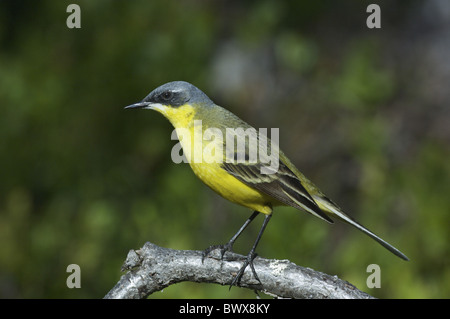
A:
[139, 105]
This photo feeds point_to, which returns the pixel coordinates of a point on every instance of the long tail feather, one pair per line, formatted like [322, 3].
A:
[334, 211]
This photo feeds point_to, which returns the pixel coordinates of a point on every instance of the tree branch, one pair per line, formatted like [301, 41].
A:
[152, 268]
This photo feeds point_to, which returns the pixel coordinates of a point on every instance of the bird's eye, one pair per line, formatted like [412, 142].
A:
[167, 95]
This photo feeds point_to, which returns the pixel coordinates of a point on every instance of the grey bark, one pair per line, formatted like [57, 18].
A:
[152, 268]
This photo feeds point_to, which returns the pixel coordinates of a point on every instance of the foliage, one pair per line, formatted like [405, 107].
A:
[83, 181]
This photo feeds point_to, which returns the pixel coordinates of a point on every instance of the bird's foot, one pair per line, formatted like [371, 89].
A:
[223, 249]
[248, 262]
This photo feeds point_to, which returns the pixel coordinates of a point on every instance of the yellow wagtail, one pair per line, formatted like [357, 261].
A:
[240, 181]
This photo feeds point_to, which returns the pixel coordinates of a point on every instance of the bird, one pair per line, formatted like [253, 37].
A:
[232, 173]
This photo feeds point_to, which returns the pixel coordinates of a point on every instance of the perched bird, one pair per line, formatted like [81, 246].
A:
[242, 181]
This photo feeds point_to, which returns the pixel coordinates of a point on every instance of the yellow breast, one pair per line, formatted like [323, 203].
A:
[205, 157]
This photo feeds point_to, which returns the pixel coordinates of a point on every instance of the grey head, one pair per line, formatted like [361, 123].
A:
[174, 94]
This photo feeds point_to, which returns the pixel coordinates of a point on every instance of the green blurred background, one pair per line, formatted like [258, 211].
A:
[364, 113]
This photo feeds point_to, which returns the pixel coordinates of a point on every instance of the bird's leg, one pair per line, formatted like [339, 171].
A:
[228, 246]
[251, 256]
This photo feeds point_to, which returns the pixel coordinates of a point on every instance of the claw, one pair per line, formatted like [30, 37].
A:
[248, 262]
[223, 249]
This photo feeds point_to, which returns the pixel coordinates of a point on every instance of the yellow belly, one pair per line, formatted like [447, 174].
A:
[231, 188]
[206, 164]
